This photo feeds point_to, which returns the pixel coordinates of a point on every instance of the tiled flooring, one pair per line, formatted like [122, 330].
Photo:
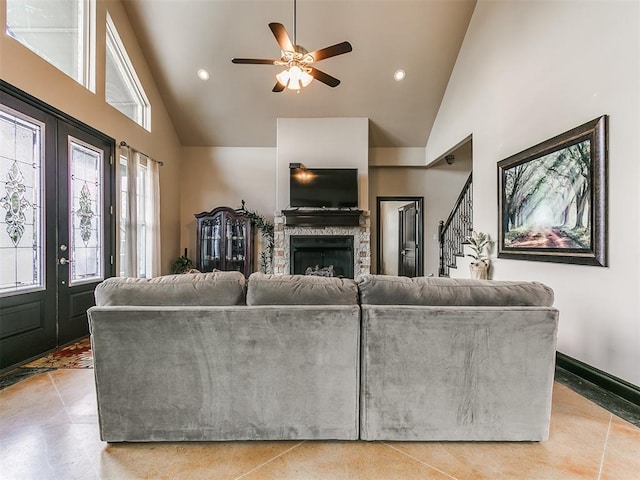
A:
[49, 430]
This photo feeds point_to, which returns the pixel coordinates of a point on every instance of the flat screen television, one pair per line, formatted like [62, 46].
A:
[323, 187]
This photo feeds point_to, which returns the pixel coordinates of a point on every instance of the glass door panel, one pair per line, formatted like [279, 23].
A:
[85, 217]
[211, 244]
[21, 193]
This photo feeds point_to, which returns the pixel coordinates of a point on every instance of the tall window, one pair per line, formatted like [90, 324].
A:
[139, 225]
[141, 197]
[60, 31]
[123, 88]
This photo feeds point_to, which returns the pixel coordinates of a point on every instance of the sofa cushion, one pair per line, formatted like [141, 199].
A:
[267, 289]
[426, 291]
[195, 289]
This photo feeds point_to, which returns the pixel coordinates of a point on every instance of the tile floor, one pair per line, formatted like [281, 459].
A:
[49, 430]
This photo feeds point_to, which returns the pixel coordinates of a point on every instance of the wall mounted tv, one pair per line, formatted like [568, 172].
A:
[323, 187]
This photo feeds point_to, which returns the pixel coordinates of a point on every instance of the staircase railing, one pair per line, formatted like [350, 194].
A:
[453, 232]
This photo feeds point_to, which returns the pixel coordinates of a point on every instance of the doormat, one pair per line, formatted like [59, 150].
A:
[76, 355]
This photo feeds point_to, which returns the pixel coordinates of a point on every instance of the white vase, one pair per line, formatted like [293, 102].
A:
[479, 270]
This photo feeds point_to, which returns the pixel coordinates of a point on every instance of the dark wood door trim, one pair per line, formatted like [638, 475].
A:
[45, 107]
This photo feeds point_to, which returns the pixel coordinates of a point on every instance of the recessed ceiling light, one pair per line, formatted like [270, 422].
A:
[203, 74]
[399, 75]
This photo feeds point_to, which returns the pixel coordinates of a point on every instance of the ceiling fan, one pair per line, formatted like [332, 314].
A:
[299, 72]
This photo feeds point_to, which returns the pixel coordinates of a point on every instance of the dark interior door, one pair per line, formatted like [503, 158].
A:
[408, 257]
[56, 227]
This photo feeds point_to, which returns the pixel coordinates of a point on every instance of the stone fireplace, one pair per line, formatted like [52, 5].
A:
[322, 245]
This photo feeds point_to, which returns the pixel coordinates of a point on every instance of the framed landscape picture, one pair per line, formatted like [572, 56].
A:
[552, 199]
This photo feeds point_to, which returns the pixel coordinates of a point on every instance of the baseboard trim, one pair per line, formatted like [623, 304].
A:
[612, 384]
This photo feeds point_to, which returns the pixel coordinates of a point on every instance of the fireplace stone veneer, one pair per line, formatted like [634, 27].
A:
[361, 242]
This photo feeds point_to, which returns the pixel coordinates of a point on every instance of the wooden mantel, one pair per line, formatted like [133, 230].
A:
[322, 218]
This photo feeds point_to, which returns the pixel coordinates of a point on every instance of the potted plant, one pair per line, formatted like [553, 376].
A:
[267, 231]
[182, 264]
[479, 243]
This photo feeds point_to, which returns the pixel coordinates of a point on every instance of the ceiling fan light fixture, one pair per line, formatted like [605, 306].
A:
[283, 77]
[296, 60]
[305, 79]
[294, 84]
[294, 78]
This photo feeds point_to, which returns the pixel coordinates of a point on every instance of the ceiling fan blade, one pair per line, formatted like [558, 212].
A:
[324, 77]
[282, 37]
[332, 51]
[253, 61]
[278, 88]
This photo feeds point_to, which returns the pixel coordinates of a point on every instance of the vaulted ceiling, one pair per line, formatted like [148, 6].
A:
[236, 107]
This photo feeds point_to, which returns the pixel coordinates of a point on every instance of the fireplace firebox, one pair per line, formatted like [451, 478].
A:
[326, 255]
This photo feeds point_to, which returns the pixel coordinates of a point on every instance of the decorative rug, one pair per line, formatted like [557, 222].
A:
[76, 355]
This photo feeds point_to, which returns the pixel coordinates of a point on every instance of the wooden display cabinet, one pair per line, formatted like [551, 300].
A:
[223, 241]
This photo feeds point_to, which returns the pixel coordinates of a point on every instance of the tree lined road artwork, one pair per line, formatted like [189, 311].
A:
[544, 237]
[547, 200]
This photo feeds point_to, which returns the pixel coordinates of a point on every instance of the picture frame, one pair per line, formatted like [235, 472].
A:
[552, 199]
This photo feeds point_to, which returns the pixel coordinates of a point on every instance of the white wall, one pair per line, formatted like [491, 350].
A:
[396, 157]
[528, 71]
[224, 176]
[323, 143]
[24, 69]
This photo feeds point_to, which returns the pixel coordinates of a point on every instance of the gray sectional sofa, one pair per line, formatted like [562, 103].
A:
[212, 357]
[447, 359]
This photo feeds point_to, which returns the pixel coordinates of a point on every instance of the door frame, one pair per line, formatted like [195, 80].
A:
[419, 230]
[109, 225]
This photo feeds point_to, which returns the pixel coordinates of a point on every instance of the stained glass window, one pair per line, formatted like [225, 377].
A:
[21, 193]
[85, 216]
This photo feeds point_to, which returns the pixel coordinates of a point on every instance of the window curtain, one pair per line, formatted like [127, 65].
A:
[152, 198]
[141, 259]
[131, 214]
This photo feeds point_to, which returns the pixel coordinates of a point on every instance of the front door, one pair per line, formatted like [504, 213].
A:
[408, 258]
[84, 250]
[55, 227]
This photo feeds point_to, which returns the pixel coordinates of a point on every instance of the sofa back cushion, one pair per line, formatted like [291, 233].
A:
[266, 289]
[195, 289]
[436, 291]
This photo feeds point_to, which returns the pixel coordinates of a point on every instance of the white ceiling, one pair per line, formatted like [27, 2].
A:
[236, 107]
